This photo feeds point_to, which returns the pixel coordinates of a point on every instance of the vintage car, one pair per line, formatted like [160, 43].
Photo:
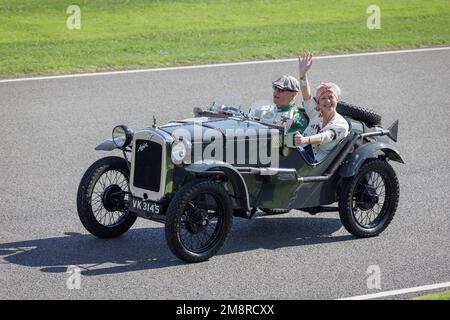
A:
[195, 175]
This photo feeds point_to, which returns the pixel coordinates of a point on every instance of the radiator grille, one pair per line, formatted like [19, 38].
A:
[147, 165]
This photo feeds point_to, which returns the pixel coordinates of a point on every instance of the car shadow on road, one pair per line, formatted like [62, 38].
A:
[146, 249]
[274, 232]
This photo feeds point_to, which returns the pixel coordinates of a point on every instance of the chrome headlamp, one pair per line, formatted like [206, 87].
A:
[122, 136]
[181, 151]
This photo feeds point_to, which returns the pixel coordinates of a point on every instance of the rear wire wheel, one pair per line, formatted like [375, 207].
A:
[368, 201]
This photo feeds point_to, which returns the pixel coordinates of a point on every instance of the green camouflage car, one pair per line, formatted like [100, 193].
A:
[195, 175]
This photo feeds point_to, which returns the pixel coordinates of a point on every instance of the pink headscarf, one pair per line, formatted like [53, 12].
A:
[324, 88]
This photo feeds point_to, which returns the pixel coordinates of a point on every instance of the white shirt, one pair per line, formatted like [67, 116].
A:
[280, 118]
[335, 130]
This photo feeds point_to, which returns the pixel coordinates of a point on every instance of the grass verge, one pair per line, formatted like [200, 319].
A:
[118, 34]
[435, 296]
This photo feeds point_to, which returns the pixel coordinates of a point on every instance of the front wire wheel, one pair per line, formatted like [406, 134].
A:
[103, 197]
[368, 201]
[198, 220]
[108, 198]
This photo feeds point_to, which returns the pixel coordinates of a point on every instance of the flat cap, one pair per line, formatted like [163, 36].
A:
[287, 83]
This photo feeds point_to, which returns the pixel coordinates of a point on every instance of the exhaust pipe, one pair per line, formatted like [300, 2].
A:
[393, 131]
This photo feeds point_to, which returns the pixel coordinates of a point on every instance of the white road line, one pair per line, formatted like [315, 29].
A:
[399, 292]
[220, 65]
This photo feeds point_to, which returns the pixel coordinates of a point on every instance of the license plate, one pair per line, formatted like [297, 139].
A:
[145, 206]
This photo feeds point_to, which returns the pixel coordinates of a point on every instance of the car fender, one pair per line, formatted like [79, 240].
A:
[234, 176]
[354, 162]
[107, 145]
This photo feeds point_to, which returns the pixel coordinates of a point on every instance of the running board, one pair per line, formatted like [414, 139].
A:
[154, 217]
[316, 210]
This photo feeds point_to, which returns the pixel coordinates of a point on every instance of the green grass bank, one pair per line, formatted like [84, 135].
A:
[35, 39]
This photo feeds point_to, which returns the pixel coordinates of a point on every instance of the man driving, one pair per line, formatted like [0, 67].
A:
[288, 114]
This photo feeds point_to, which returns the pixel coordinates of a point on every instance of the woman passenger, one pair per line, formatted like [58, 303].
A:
[326, 126]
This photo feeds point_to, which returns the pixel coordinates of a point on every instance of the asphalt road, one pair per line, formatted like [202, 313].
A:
[49, 131]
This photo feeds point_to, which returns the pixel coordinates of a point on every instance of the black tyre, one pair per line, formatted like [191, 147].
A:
[368, 116]
[368, 201]
[102, 199]
[271, 212]
[198, 220]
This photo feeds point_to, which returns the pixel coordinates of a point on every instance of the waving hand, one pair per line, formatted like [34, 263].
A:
[305, 63]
